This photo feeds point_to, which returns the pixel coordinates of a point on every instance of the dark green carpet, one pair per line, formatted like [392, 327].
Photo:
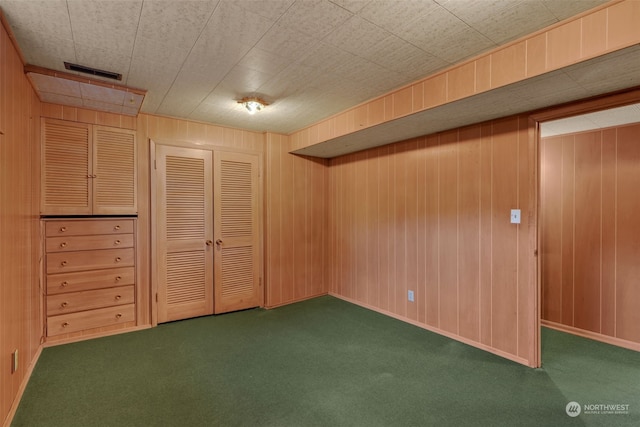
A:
[322, 362]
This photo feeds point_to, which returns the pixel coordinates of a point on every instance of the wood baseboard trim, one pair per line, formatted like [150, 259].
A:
[438, 331]
[93, 336]
[592, 335]
[269, 307]
[23, 387]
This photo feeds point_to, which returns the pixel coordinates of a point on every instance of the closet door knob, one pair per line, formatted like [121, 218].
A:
[219, 242]
[209, 242]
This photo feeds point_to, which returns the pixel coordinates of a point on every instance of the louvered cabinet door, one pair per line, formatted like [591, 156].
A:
[236, 219]
[184, 232]
[66, 168]
[114, 171]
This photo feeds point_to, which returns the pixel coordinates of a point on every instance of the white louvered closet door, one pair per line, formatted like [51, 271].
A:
[236, 204]
[184, 232]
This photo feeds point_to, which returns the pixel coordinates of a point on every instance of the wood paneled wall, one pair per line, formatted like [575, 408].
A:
[21, 324]
[590, 232]
[432, 215]
[296, 224]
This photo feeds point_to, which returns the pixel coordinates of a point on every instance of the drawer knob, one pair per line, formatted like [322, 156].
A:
[63, 263]
[118, 316]
[63, 229]
[64, 284]
[116, 228]
[64, 304]
[65, 324]
[117, 242]
[118, 259]
[63, 244]
[118, 297]
[118, 278]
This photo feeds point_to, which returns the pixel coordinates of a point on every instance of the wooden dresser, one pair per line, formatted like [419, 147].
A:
[90, 275]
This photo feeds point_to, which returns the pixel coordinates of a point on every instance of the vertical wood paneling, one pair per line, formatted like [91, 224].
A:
[590, 231]
[504, 292]
[296, 224]
[567, 228]
[485, 189]
[609, 196]
[469, 233]
[411, 227]
[551, 216]
[432, 228]
[20, 312]
[443, 230]
[628, 233]
[448, 226]
[588, 177]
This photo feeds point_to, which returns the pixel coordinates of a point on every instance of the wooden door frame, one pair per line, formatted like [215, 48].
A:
[153, 143]
[585, 106]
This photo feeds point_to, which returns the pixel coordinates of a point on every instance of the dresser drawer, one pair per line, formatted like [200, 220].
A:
[88, 227]
[89, 300]
[74, 322]
[60, 262]
[94, 279]
[81, 243]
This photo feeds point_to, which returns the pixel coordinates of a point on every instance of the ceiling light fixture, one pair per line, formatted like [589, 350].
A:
[253, 104]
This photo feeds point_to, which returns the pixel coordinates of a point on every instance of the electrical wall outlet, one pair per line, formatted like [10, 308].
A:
[410, 296]
[14, 361]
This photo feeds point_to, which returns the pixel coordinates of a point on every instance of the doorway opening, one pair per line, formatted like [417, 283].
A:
[589, 230]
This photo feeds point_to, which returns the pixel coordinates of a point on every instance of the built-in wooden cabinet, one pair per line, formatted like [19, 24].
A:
[89, 272]
[87, 169]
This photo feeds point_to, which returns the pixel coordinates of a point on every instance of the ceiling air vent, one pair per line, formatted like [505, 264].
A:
[93, 71]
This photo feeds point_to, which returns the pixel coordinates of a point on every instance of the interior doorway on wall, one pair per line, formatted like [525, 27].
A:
[589, 231]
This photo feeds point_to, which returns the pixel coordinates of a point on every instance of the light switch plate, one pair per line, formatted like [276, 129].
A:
[515, 216]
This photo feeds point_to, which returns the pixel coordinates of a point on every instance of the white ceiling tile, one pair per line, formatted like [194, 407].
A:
[50, 84]
[444, 35]
[314, 18]
[106, 25]
[44, 16]
[567, 8]
[93, 104]
[285, 42]
[237, 23]
[103, 94]
[265, 62]
[56, 98]
[392, 15]
[357, 36]
[271, 9]
[47, 52]
[502, 21]
[247, 78]
[353, 6]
